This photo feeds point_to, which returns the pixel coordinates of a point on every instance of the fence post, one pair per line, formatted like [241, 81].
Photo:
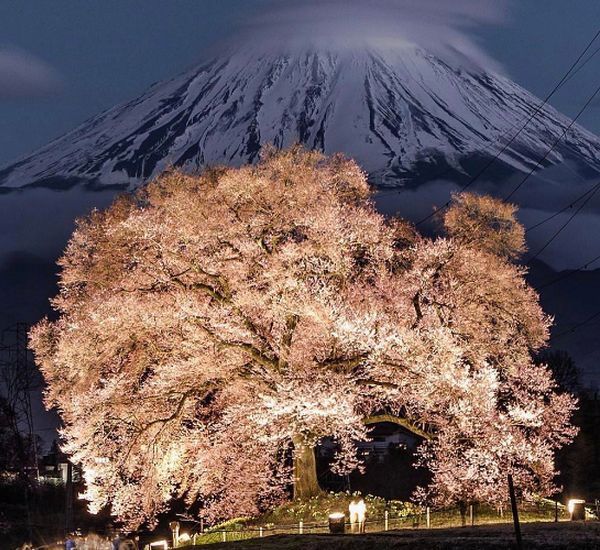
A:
[428, 518]
[300, 527]
[224, 536]
[386, 522]
[471, 515]
[260, 532]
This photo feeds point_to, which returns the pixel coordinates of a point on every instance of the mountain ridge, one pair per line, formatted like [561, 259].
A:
[404, 114]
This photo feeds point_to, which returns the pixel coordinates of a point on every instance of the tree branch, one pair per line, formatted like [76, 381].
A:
[251, 350]
[345, 364]
[404, 422]
[417, 305]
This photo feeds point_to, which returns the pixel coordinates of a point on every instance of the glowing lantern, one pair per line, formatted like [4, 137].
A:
[174, 526]
[337, 522]
[159, 544]
[576, 508]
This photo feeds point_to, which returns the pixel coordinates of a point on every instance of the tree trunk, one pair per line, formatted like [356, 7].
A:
[305, 471]
[462, 506]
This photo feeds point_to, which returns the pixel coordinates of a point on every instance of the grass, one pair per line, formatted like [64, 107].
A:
[554, 536]
[313, 514]
[317, 509]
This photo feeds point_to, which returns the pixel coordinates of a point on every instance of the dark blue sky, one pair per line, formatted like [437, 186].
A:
[110, 51]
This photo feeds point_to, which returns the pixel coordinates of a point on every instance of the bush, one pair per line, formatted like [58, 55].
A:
[317, 509]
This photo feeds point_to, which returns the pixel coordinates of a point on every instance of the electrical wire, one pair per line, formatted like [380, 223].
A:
[583, 64]
[563, 226]
[570, 273]
[577, 326]
[564, 209]
[565, 77]
[505, 132]
[556, 142]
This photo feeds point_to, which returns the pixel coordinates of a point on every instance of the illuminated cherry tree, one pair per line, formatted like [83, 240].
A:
[212, 329]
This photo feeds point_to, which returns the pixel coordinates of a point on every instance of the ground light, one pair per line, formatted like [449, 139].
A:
[174, 526]
[162, 544]
[576, 508]
[337, 522]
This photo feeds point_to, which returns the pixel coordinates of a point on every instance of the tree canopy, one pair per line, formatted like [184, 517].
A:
[210, 325]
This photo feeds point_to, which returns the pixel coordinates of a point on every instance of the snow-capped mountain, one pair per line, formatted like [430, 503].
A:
[404, 114]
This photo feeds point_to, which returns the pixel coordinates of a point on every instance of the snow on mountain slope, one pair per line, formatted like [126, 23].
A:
[405, 115]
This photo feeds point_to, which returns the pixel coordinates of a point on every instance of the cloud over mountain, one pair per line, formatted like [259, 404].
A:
[440, 26]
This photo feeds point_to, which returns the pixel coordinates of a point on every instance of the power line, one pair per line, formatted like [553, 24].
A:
[505, 132]
[583, 64]
[570, 273]
[556, 142]
[564, 209]
[563, 226]
[577, 326]
[538, 109]
[513, 125]
[450, 168]
[528, 120]
[590, 194]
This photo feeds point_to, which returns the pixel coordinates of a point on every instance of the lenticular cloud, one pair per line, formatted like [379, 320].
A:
[441, 27]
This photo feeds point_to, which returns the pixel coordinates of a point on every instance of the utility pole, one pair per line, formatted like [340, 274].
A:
[515, 512]
[69, 499]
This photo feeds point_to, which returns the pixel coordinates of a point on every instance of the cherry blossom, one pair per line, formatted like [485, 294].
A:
[213, 329]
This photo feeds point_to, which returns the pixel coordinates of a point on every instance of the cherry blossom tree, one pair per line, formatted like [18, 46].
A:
[504, 413]
[212, 329]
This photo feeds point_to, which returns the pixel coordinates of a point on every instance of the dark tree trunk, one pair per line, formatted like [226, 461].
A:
[306, 484]
[462, 506]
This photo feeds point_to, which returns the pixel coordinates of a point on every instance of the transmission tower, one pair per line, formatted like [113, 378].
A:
[18, 379]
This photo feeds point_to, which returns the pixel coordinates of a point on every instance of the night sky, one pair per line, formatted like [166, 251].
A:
[64, 61]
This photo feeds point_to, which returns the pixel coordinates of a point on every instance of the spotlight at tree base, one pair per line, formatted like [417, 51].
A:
[158, 545]
[174, 526]
[337, 523]
[184, 538]
[576, 509]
